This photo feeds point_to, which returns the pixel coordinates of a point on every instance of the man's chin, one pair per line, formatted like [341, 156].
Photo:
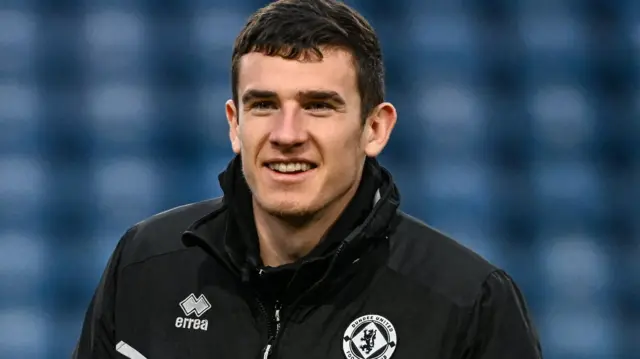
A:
[289, 210]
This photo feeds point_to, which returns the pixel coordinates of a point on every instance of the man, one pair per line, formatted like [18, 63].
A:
[306, 255]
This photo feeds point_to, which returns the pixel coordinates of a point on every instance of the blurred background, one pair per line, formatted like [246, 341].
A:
[518, 134]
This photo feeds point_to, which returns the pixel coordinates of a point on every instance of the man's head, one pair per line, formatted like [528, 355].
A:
[308, 92]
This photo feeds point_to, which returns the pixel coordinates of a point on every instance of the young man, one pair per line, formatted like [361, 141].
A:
[306, 255]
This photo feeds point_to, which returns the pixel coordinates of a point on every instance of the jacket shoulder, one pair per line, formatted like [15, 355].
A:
[161, 233]
[433, 259]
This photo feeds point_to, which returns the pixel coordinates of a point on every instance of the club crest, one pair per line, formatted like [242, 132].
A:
[370, 337]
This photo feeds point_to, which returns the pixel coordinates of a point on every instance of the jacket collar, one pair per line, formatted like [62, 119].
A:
[367, 219]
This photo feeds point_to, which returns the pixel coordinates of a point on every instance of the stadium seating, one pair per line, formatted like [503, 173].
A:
[518, 134]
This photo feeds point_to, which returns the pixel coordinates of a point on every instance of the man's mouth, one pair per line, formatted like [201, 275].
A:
[291, 167]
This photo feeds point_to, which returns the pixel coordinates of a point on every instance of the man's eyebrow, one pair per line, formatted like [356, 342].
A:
[321, 95]
[308, 95]
[257, 94]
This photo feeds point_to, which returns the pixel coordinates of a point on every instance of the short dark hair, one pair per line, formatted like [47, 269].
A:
[298, 29]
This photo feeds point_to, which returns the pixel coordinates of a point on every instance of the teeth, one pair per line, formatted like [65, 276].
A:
[290, 167]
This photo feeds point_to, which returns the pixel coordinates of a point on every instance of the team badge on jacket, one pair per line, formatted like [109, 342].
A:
[370, 337]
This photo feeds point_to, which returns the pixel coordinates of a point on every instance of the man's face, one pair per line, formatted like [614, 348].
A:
[298, 128]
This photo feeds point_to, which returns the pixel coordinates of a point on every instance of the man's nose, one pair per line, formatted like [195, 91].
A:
[289, 129]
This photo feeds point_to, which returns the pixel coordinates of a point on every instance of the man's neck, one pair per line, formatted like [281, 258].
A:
[282, 242]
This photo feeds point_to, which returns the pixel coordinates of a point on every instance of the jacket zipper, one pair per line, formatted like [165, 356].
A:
[275, 320]
[272, 333]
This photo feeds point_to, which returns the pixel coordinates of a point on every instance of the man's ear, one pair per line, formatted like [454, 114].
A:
[378, 128]
[232, 119]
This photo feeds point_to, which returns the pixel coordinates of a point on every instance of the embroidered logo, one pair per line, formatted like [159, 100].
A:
[370, 337]
[192, 305]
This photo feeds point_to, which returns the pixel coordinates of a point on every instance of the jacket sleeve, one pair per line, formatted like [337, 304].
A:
[97, 335]
[500, 326]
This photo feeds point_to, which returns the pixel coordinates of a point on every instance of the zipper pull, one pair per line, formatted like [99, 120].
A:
[267, 351]
[277, 317]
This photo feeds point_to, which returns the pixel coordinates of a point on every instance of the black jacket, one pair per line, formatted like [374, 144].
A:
[188, 283]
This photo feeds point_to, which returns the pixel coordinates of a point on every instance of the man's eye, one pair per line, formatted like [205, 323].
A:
[263, 105]
[319, 106]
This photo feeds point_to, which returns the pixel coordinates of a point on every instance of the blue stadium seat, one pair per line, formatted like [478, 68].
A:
[564, 126]
[569, 330]
[127, 189]
[458, 188]
[213, 33]
[442, 48]
[120, 118]
[18, 31]
[115, 45]
[575, 267]
[24, 332]
[19, 118]
[555, 45]
[23, 190]
[452, 121]
[517, 135]
[567, 192]
[23, 262]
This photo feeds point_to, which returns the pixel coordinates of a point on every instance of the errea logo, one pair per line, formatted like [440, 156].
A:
[192, 305]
